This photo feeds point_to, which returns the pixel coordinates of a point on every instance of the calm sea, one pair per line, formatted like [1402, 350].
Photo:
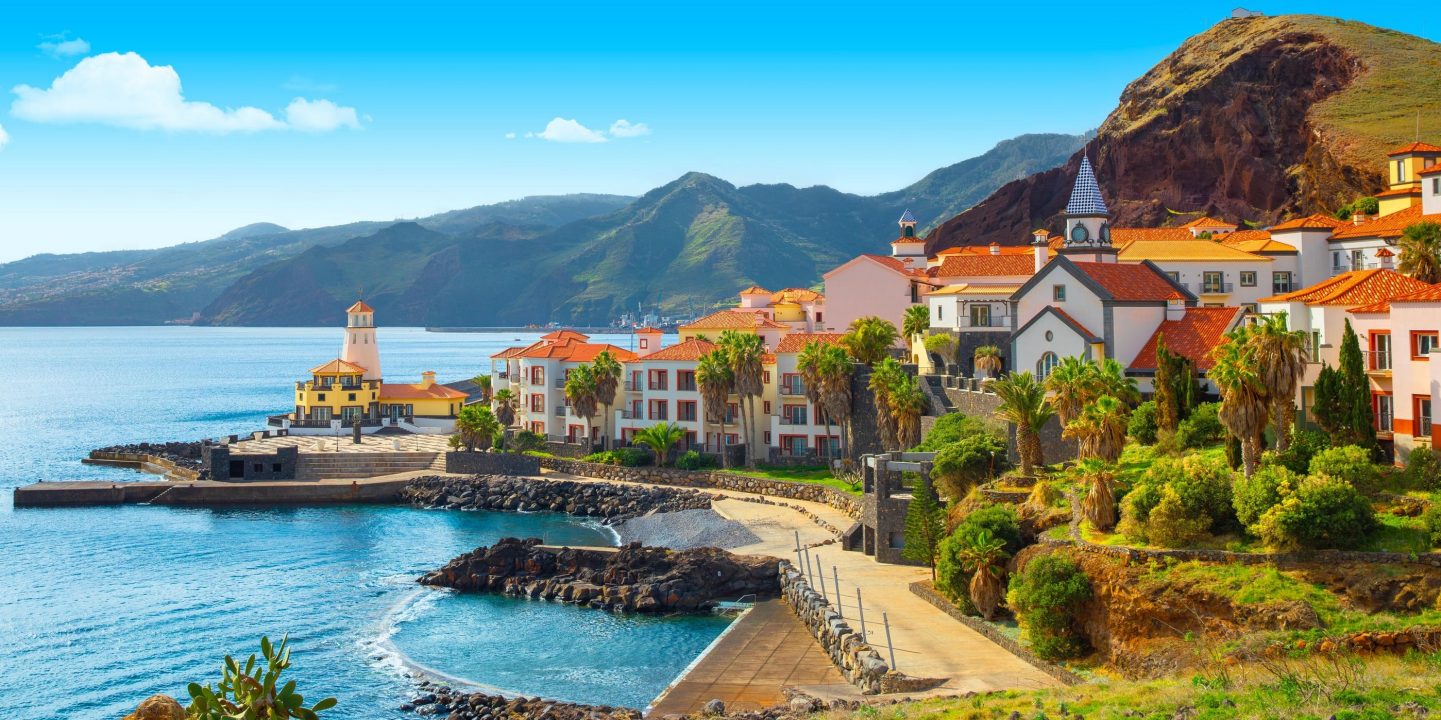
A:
[102, 607]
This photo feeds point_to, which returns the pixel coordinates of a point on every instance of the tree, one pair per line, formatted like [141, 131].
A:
[505, 404]
[1045, 596]
[483, 383]
[1356, 387]
[1099, 505]
[607, 371]
[835, 370]
[1023, 404]
[254, 690]
[580, 391]
[1420, 252]
[1244, 404]
[1281, 354]
[1329, 407]
[714, 379]
[942, 344]
[965, 463]
[660, 439]
[884, 378]
[925, 526]
[869, 338]
[1176, 390]
[476, 425]
[808, 362]
[1100, 428]
[1072, 384]
[745, 351]
[908, 403]
[987, 361]
[915, 323]
[985, 556]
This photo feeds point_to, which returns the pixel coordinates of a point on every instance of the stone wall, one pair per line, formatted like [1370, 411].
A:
[984, 404]
[967, 342]
[862, 435]
[714, 479]
[927, 592]
[482, 463]
[225, 466]
[567, 450]
[587, 499]
[857, 660]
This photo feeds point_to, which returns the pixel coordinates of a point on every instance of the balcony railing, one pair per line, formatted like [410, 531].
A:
[632, 386]
[337, 387]
[1216, 288]
[683, 386]
[558, 383]
[992, 321]
[560, 411]
[799, 419]
[1348, 267]
[795, 389]
[1378, 360]
[630, 414]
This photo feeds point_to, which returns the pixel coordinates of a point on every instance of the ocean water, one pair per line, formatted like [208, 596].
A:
[102, 607]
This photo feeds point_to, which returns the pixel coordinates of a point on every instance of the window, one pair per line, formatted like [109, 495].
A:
[685, 410]
[1400, 168]
[980, 316]
[644, 343]
[537, 375]
[1436, 186]
[1175, 276]
[1248, 278]
[685, 380]
[320, 397]
[818, 317]
[939, 315]
[766, 407]
[1281, 282]
[1358, 259]
[732, 412]
[767, 438]
[793, 415]
[659, 380]
[766, 377]
[1421, 410]
[1422, 343]
[1213, 281]
[1315, 343]
[1045, 365]
[1058, 293]
[352, 397]
[1380, 351]
[792, 384]
[915, 293]
[1385, 413]
[537, 402]
[658, 410]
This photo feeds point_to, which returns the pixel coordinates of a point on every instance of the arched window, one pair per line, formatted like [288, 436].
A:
[1045, 365]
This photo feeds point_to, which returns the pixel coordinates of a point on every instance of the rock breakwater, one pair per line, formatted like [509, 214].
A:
[504, 492]
[631, 579]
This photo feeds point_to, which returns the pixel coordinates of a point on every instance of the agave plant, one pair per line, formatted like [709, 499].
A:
[254, 692]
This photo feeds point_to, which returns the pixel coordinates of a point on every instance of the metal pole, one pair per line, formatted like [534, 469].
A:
[809, 579]
[798, 541]
[889, 647]
[821, 575]
[862, 610]
[835, 575]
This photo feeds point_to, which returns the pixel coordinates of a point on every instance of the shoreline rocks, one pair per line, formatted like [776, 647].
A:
[631, 579]
[450, 703]
[504, 492]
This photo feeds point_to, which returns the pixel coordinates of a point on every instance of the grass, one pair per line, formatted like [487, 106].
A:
[810, 474]
[1342, 686]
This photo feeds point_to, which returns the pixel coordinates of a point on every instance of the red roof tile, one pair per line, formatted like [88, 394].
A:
[794, 294]
[733, 319]
[796, 341]
[1415, 147]
[1430, 293]
[688, 350]
[337, 367]
[986, 265]
[360, 307]
[571, 351]
[1122, 236]
[1358, 287]
[1398, 192]
[1311, 222]
[565, 335]
[1206, 221]
[1067, 317]
[407, 391]
[1131, 282]
[1386, 226]
[755, 290]
[507, 353]
[896, 265]
[1198, 332]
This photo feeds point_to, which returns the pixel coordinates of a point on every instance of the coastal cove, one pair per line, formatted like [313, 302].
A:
[168, 591]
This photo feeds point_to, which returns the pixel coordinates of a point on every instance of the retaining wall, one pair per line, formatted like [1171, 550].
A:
[481, 463]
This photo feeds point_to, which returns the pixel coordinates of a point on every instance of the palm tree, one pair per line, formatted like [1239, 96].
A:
[1111, 379]
[482, 383]
[1420, 247]
[505, 404]
[1099, 505]
[580, 391]
[745, 353]
[1100, 428]
[884, 378]
[907, 404]
[1244, 403]
[915, 322]
[987, 359]
[714, 379]
[660, 439]
[476, 425]
[869, 338]
[1072, 383]
[808, 362]
[985, 557]
[1023, 404]
[835, 371]
[1281, 360]
[607, 371]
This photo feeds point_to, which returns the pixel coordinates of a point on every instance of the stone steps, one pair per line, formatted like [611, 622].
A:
[355, 466]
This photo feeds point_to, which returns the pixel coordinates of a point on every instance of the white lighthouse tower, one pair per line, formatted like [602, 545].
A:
[360, 347]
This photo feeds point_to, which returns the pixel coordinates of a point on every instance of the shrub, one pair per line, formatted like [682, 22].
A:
[1350, 463]
[1171, 524]
[1143, 423]
[1136, 509]
[1304, 446]
[1253, 496]
[1322, 512]
[625, 457]
[692, 460]
[1423, 470]
[1044, 596]
[527, 440]
[967, 462]
[952, 580]
[1432, 520]
[952, 427]
[998, 520]
[1202, 428]
[254, 690]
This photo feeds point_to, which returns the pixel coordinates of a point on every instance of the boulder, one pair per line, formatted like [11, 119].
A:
[158, 707]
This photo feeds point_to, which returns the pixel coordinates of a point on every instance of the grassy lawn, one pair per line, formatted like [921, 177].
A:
[812, 474]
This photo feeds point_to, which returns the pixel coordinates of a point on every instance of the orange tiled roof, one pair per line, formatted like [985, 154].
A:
[360, 307]
[337, 367]
[985, 265]
[896, 265]
[649, 331]
[733, 319]
[795, 295]
[1184, 250]
[1311, 222]
[755, 290]
[507, 353]
[1025, 250]
[1123, 236]
[1415, 147]
[1198, 332]
[1386, 226]
[565, 335]
[796, 341]
[1398, 192]
[1257, 241]
[1131, 282]
[1430, 170]
[1358, 287]
[571, 351]
[1430, 293]
[688, 350]
[408, 391]
[1206, 221]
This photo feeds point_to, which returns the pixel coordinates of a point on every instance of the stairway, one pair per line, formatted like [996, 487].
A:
[357, 466]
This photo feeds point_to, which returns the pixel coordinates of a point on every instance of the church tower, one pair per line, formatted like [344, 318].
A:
[360, 347]
[908, 247]
[1088, 228]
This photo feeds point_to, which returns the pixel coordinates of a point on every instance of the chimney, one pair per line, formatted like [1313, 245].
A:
[995, 248]
[1386, 258]
[427, 378]
[1043, 250]
[1359, 219]
[1175, 309]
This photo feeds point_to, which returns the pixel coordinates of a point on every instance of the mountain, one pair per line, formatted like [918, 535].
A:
[1254, 120]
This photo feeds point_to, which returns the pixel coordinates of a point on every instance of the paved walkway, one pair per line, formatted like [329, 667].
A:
[766, 650]
[344, 443]
[928, 643]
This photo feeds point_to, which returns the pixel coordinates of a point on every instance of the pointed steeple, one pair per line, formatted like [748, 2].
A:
[1086, 194]
[908, 224]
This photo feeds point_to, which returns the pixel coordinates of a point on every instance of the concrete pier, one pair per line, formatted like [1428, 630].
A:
[202, 493]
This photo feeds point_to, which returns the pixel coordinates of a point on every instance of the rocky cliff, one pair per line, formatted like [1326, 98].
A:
[1254, 120]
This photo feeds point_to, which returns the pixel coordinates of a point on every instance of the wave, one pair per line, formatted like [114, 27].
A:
[384, 653]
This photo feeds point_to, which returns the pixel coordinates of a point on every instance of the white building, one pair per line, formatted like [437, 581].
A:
[1402, 341]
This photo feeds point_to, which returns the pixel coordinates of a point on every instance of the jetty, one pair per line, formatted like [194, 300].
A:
[83, 493]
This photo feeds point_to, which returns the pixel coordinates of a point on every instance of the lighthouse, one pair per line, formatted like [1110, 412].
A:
[359, 346]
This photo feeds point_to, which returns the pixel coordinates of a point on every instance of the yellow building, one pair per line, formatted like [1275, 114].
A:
[1403, 175]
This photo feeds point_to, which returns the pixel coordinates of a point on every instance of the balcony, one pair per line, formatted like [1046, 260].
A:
[632, 386]
[794, 419]
[337, 387]
[560, 411]
[1348, 267]
[990, 321]
[794, 389]
[558, 383]
[630, 414]
[1378, 362]
[1216, 288]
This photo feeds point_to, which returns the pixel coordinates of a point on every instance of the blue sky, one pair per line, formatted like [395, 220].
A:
[402, 110]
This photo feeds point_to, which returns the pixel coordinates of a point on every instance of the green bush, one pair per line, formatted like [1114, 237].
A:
[625, 457]
[952, 427]
[692, 460]
[1350, 463]
[254, 690]
[1423, 470]
[1143, 423]
[1432, 520]
[966, 463]
[527, 440]
[1045, 596]
[1322, 512]
[1253, 496]
[1172, 525]
[952, 580]
[1202, 428]
[999, 520]
[1202, 490]
[1136, 509]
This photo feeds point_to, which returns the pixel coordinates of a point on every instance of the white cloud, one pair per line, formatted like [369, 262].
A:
[124, 90]
[571, 131]
[624, 129]
[59, 46]
[319, 115]
[510, 136]
[4, 138]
